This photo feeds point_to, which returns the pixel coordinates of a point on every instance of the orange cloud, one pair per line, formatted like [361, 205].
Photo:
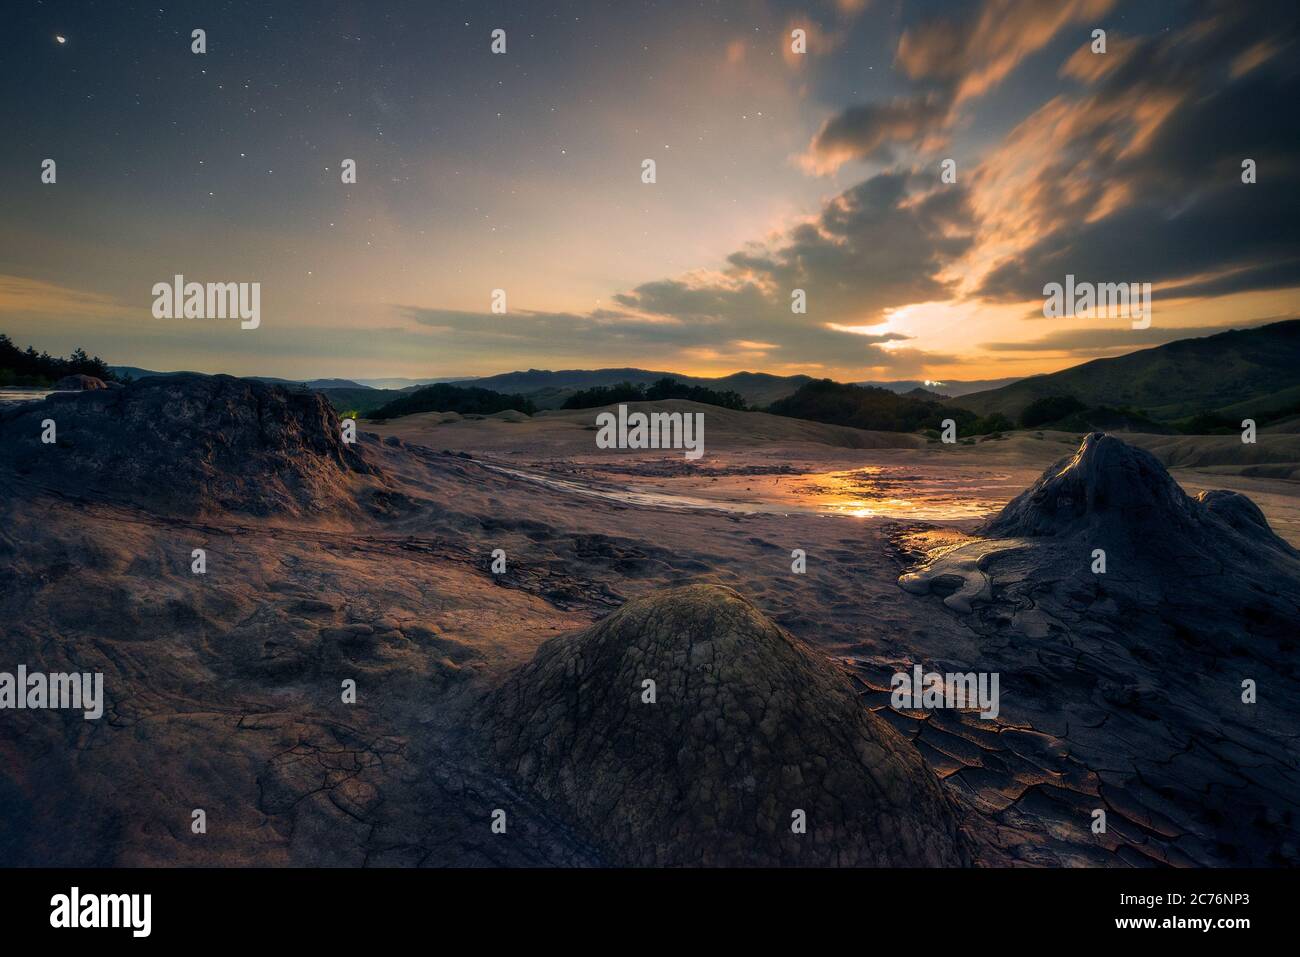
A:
[977, 56]
[19, 295]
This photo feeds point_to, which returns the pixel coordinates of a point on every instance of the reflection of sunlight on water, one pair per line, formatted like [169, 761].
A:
[921, 493]
[858, 510]
[11, 395]
[873, 492]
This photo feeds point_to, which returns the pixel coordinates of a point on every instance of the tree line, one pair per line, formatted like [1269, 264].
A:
[27, 367]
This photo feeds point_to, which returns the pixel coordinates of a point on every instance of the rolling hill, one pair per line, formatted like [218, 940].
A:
[1238, 372]
[951, 388]
[135, 372]
[446, 397]
[548, 390]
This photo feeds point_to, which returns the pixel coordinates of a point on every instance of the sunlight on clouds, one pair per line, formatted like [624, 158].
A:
[875, 329]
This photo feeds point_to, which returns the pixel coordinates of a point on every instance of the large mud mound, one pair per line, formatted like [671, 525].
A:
[747, 728]
[192, 444]
[1150, 638]
[1115, 495]
[1206, 564]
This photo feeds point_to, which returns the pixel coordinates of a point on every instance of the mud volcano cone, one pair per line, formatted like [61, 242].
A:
[1190, 569]
[748, 727]
[191, 444]
[1113, 493]
[1105, 485]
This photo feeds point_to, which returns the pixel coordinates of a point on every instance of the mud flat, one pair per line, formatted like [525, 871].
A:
[373, 564]
[756, 462]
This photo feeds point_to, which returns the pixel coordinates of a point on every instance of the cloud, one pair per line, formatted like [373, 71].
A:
[875, 246]
[866, 335]
[1129, 171]
[972, 56]
[1139, 178]
[1088, 67]
[33, 297]
[871, 131]
[1274, 275]
[705, 302]
[1091, 341]
[958, 60]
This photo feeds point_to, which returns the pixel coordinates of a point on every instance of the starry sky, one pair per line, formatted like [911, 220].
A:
[522, 171]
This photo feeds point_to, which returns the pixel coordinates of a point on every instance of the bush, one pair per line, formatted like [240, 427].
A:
[870, 407]
[604, 395]
[452, 398]
[1207, 423]
[1049, 409]
[665, 388]
[993, 424]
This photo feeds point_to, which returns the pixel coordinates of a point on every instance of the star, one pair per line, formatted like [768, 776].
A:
[60, 40]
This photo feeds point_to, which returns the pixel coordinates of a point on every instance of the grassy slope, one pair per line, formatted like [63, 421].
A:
[360, 400]
[548, 390]
[1243, 370]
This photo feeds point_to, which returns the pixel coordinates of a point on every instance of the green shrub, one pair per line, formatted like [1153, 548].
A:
[1050, 408]
[452, 398]
[665, 388]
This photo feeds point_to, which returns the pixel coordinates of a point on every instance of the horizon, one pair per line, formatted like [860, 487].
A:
[453, 378]
[823, 171]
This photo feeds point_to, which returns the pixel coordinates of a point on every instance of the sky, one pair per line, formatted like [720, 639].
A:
[522, 171]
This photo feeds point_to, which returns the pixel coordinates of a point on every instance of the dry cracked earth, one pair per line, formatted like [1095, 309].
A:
[523, 691]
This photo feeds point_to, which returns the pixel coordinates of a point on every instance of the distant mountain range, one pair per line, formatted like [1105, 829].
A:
[1248, 372]
[408, 385]
[548, 390]
[395, 384]
[1253, 371]
[951, 388]
[135, 372]
[314, 383]
[545, 388]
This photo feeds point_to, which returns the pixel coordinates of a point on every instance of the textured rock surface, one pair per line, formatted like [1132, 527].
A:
[192, 444]
[1122, 690]
[222, 690]
[1115, 494]
[748, 726]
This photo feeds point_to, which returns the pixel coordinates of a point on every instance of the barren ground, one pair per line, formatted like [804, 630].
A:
[224, 688]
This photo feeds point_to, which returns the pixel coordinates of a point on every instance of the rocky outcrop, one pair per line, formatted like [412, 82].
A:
[747, 728]
[192, 444]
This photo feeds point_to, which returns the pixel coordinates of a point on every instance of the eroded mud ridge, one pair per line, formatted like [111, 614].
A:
[521, 692]
[193, 444]
[747, 729]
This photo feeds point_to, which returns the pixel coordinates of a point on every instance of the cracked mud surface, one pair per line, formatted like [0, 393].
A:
[223, 690]
[746, 729]
[1123, 690]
